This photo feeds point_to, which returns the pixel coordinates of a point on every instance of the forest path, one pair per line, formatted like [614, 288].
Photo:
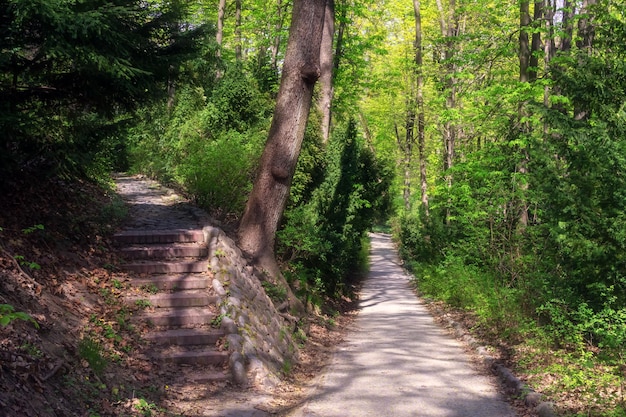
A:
[396, 361]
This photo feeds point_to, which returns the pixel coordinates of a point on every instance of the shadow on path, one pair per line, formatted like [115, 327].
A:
[397, 362]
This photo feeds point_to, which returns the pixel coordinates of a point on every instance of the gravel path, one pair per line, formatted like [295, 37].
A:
[397, 361]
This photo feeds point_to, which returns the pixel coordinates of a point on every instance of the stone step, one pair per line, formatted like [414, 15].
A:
[177, 317]
[159, 251]
[199, 377]
[129, 237]
[161, 267]
[185, 337]
[191, 281]
[202, 357]
[178, 299]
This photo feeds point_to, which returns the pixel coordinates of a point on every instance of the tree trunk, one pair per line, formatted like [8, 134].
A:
[421, 138]
[449, 25]
[524, 46]
[535, 46]
[326, 65]
[549, 49]
[406, 146]
[268, 198]
[568, 27]
[280, 20]
[238, 41]
[219, 36]
[586, 30]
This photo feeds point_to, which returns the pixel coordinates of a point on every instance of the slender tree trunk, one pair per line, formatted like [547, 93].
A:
[421, 138]
[238, 41]
[343, 10]
[549, 49]
[586, 32]
[268, 198]
[280, 20]
[535, 46]
[326, 64]
[449, 25]
[524, 46]
[366, 132]
[568, 27]
[528, 66]
[406, 146]
[219, 36]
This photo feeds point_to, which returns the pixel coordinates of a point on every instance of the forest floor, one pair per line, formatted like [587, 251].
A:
[82, 358]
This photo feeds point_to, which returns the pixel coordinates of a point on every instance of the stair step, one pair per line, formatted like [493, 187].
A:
[185, 337]
[200, 377]
[177, 317]
[179, 299]
[204, 357]
[158, 236]
[191, 281]
[175, 250]
[159, 267]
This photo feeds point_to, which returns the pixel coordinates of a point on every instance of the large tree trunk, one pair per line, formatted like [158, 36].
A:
[326, 65]
[421, 138]
[268, 198]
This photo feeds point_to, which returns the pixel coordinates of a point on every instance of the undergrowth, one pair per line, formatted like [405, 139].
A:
[559, 358]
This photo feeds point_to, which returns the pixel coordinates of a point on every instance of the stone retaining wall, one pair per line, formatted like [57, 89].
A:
[259, 340]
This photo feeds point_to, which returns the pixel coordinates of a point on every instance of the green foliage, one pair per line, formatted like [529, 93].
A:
[91, 351]
[208, 142]
[275, 292]
[69, 71]
[562, 167]
[322, 236]
[8, 315]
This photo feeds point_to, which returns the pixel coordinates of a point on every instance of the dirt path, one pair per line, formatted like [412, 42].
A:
[397, 362]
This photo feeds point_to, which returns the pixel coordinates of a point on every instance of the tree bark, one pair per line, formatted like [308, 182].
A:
[535, 46]
[326, 65]
[524, 46]
[586, 32]
[568, 27]
[268, 198]
[280, 20]
[219, 35]
[238, 41]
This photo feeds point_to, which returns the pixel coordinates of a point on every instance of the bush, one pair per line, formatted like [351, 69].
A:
[322, 236]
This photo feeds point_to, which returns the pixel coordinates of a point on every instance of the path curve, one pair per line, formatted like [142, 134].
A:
[397, 361]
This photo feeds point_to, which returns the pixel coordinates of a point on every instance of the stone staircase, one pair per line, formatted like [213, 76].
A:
[171, 282]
